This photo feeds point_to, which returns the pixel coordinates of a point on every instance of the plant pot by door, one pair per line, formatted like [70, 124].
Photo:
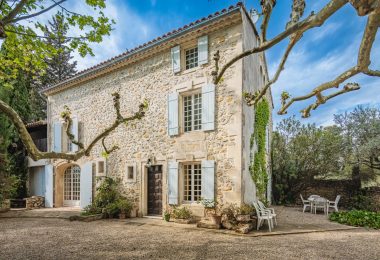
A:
[215, 219]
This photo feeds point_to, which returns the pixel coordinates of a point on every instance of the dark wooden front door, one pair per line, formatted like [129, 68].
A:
[155, 190]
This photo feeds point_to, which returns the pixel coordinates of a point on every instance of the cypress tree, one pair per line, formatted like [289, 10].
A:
[59, 66]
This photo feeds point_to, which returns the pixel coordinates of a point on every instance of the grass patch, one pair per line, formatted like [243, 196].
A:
[357, 218]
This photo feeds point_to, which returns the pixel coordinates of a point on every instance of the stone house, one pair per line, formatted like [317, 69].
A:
[195, 138]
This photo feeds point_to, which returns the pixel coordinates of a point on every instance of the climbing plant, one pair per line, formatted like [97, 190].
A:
[258, 167]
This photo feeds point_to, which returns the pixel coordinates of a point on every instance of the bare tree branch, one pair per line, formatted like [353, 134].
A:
[253, 99]
[14, 20]
[374, 73]
[314, 20]
[15, 11]
[267, 7]
[36, 154]
[363, 62]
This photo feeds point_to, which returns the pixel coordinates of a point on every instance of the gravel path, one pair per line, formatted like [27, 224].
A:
[37, 238]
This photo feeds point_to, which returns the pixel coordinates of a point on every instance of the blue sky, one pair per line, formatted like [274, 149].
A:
[320, 56]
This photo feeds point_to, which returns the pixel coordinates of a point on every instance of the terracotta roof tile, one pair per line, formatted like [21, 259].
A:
[162, 37]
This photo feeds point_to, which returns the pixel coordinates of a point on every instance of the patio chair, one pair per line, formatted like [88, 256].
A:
[319, 203]
[306, 203]
[262, 216]
[270, 210]
[333, 204]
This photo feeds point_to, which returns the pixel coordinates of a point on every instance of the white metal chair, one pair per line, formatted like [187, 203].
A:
[319, 203]
[270, 210]
[306, 203]
[262, 216]
[333, 204]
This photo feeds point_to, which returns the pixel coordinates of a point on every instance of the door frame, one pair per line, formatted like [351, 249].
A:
[143, 209]
[162, 174]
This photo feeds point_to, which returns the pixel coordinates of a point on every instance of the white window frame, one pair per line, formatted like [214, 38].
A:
[199, 110]
[193, 197]
[195, 62]
[134, 172]
[104, 173]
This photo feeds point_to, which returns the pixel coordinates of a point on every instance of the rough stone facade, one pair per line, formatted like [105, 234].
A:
[153, 79]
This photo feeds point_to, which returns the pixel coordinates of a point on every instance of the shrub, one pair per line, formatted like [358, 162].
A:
[182, 213]
[357, 218]
[108, 200]
[246, 209]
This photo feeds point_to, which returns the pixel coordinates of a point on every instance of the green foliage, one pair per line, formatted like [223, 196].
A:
[181, 213]
[300, 154]
[246, 209]
[108, 200]
[207, 203]
[357, 218]
[258, 167]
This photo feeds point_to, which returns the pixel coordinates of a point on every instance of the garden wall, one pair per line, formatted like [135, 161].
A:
[346, 188]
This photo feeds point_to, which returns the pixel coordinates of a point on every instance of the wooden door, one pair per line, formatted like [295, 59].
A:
[155, 190]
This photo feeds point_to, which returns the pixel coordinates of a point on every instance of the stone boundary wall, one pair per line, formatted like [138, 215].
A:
[330, 189]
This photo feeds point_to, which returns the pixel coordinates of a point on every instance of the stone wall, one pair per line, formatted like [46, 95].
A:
[254, 78]
[329, 189]
[35, 202]
[153, 79]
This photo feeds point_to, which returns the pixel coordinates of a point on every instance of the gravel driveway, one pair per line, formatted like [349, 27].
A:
[37, 238]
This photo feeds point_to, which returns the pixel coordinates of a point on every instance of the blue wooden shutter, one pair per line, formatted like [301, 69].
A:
[173, 182]
[86, 185]
[208, 107]
[176, 59]
[75, 132]
[49, 186]
[208, 180]
[203, 50]
[57, 137]
[173, 125]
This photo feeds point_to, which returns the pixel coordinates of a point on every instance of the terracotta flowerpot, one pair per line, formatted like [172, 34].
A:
[122, 216]
[215, 219]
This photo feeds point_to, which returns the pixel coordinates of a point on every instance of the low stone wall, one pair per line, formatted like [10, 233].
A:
[330, 189]
[35, 202]
[5, 206]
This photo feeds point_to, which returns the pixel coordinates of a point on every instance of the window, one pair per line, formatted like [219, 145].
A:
[130, 173]
[191, 58]
[101, 168]
[192, 112]
[192, 182]
[69, 145]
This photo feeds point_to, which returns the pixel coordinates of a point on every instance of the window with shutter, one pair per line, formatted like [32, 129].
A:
[208, 180]
[57, 137]
[173, 182]
[208, 107]
[176, 59]
[173, 125]
[203, 50]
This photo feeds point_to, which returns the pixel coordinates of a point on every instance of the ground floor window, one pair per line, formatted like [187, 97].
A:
[192, 182]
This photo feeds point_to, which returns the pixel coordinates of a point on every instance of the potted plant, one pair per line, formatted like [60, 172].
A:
[244, 213]
[167, 215]
[182, 215]
[210, 210]
[125, 207]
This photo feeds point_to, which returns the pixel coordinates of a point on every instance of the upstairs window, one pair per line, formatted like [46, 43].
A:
[192, 109]
[191, 58]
